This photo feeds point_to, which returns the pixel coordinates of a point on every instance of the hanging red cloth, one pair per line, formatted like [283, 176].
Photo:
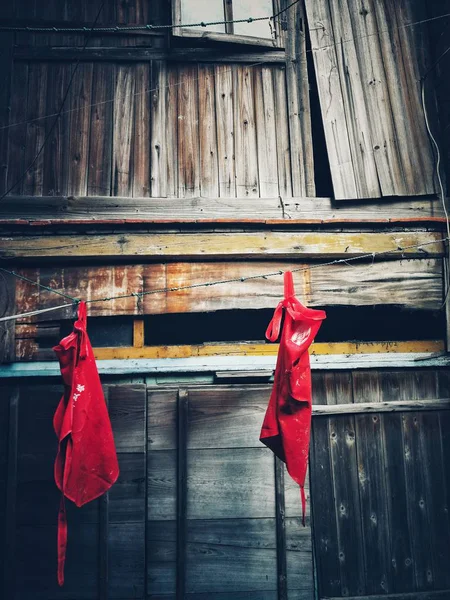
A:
[287, 423]
[86, 464]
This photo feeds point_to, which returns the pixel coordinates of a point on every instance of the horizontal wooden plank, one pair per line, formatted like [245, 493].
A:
[32, 210]
[219, 245]
[248, 349]
[139, 54]
[410, 283]
[379, 407]
[435, 595]
[208, 365]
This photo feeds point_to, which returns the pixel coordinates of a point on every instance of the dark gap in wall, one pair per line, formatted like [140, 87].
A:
[322, 173]
[343, 323]
[104, 332]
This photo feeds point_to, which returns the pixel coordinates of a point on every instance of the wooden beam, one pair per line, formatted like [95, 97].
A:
[219, 245]
[410, 283]
[137, 54]
[248, 349]
[182, 424]
[280, 516]
[438, 595]
[10, 563]
[138, 333]
[48, 210]
[378, 407]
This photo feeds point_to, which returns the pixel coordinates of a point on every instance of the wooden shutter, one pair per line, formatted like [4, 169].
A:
[368, 63]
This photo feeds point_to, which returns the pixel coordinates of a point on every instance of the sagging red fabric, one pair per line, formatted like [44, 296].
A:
[86, 464]
[287, 422]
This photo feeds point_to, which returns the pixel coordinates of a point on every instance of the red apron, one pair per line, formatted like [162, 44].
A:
[86, 464]
[287, 423]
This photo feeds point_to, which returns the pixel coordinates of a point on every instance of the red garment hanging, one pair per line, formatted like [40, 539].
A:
[287, 423]
[86, 464]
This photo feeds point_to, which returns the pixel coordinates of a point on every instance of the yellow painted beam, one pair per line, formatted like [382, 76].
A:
[221, 245]
[138, 333]
[187, 351]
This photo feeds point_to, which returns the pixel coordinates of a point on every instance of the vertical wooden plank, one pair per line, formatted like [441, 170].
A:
[122, 176]
[159, 125]
[79, 121]
[182, 420]
[417, 508]
[101, 131]
[282, 132]
[371, 453]
[245, 133]
[55, 153]
[414, 49]
[302, 161]
[372, 99]
[209, 168]
[225, 130]
[6, 65]
[103, 547]
[444, 424]
[37, 91]
[280, 516]
[7, 328]
[141, 137]
[343, 450]
[171, 124]
[11, 494]
[265, 132]
[188, 134]
[18, 129]
[138, 333]
[326, 542]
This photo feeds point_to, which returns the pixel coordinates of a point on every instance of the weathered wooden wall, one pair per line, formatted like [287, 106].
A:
[369, 61]
[381, 525]
[380, 487]
[151, 129]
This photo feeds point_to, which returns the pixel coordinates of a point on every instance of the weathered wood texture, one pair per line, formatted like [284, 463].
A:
[369, 62]
[393, 282]
[386, 509]
[40, 211]
[439, 77]
[218, 245]
[385, 533]
[231, 529]
[34, 500]
[7, 306]
[128, 131]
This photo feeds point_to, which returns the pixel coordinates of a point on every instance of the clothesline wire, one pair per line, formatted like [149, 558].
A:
[58, 114]
[203, 24]
[259, 63]
[146, 27]
[138, 295]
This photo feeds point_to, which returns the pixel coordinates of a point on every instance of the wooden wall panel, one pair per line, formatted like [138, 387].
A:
[100, 134]
[147, 128]
[230, 499]
[396, 484]
[410, 283]
[368, 71]
[123, 131]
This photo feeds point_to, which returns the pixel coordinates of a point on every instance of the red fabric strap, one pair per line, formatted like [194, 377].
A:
[303, 497]
[62, 539]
